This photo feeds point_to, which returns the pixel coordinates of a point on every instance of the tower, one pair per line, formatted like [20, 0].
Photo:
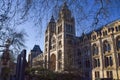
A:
[50, 44]
[66, 35]
[59, 41]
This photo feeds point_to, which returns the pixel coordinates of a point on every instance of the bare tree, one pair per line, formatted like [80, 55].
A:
[88, 13]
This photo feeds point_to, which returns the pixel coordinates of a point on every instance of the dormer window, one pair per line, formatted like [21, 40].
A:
[94, 37]
[117, 28]
[104, 33]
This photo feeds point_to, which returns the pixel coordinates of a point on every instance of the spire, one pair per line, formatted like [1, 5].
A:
[65, 5]
[52, 19]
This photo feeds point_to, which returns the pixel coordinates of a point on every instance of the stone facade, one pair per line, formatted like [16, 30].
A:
[59, 41]
[105, 45]
[95, 54]
[38, 61]
[34, 53]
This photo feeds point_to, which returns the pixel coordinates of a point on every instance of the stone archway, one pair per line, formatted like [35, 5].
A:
[53, 62]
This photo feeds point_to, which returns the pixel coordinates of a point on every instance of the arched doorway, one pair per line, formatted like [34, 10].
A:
[52, 62]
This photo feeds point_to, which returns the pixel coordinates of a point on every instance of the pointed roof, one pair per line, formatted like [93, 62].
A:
[65, 6]
[37, 48]
[52, 19]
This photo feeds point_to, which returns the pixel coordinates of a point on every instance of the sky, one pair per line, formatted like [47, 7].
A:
[36, 34]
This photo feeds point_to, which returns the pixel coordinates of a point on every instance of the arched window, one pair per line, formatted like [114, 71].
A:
[45, 61]
[86, 51]
[53, 40]
[106, 46]
[59, 55]
[118, 42]
[95, 49]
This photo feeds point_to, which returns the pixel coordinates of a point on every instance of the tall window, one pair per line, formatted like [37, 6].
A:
[119, 59]
[78, 52]
[108, 61]
[59, 29]
[87, 63]
[59, 44]
[109, 74]
[59, 59]
[106, 46]
[118, 43]
[59, 55]
[94, 37]
[96, 63]
[104, 33]
[69, 28]
[45, 61]
[95, 49]
[53, 40]
[59, 65]
[86, 51]
[97, 74]
[46, 38]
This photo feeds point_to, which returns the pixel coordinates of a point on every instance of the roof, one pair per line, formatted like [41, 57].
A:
[36, 48]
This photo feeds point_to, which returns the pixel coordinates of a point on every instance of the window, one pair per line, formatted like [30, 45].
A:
[45, 61]
[59, 55]
[94, 37]
[104, 33]
[109, 29]
[78, 52]
[95, 49]
[69, 28]
[69, 36]
[79, 63]
[108, 61]
[59, 65]
[117, 28]
[59, 44]
[118, 43]
[119, 59]
[106, 46]
[109, 74]
[46, 49]
[69, 42]
[46, 39]
[53, 40]
[59, 29]
[97, 74]
[96, 63]
[86, 51]
[87, 63]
